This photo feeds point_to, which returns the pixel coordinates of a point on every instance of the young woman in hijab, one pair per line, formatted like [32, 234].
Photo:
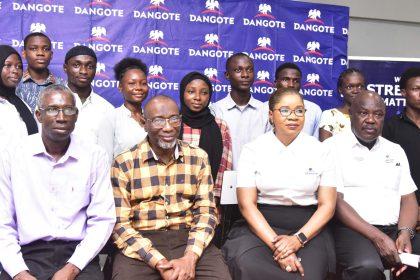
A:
[129, 120]
[200, 128]
[17, 119]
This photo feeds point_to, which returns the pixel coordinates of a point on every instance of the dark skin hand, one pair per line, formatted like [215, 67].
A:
[24, 275]
[68, 272]
[178, 269]
[287, 244]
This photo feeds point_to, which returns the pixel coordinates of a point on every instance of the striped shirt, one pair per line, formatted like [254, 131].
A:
[192, 136]
[152, 195]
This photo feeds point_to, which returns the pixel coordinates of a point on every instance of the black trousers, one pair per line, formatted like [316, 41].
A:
[357, 257]
[46, 258]
[171, 244]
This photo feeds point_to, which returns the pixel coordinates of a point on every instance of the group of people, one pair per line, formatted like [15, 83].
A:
[320, 194]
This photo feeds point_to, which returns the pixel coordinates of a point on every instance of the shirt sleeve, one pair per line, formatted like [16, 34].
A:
[127, 239]
[325, 121]
[226, 160]
[204, 211]
[10, 254]
[247, 168]
[333, 151]
[100, 215]
[407, 184]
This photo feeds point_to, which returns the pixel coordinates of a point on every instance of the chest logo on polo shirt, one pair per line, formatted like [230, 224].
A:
[310, 171]
[388, 159]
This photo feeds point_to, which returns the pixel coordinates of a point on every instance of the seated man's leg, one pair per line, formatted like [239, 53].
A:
[92, 271]
[128, 268]
[413, 273]
[357, 255]
[212, 265]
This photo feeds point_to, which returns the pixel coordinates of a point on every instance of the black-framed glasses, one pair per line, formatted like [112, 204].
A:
[285, 111]
[54, 111]
[159, 122]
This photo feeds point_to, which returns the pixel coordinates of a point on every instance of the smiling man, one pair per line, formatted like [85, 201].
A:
[376, 205]
[38, 54]
[57, 209]
[166, 233]
[96, 115]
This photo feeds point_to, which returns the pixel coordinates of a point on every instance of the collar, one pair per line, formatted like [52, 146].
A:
[49, 80]
[37, 147]
[292, 146]
[230, 104]
[403, 116]
[125, 110]
[147, 152]
[354, 142]
[89, 99]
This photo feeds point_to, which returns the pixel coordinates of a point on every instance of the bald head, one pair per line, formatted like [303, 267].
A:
[367, 114]
[158, 101]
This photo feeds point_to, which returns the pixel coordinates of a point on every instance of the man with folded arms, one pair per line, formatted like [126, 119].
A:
[57, 210]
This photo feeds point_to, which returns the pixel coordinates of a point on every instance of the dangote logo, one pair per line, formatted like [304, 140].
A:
[212, 7]
[211, 73]
[313, 48]
[264, 44]
[156, 37]
[98, 34]
[264, 10]
[263, 77]
[156, 72]
[212, 41]
[100, 70]
[312, 80]
[314, 15]
[157, 5]
[38, 27]
[100, 3]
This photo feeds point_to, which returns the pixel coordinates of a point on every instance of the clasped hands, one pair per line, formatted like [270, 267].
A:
[178, 269]
[285, 248]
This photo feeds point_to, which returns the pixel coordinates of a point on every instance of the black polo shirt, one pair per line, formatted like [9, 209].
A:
[403, 131]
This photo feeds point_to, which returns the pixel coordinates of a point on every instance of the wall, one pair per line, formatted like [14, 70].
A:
[382, 28]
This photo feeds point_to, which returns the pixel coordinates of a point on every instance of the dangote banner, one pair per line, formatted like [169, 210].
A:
[383, 77]
[174, 37]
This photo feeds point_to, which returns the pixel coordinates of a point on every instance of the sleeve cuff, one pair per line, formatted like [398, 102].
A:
[78, 261]
[153, 257]
[14, 268]
[195, 249]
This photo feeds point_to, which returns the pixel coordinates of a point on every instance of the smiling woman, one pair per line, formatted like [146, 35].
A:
[20, 121]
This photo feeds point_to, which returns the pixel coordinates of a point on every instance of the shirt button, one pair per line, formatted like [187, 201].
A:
[167, 217]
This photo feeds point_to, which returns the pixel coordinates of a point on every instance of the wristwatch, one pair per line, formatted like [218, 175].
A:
[410, 231]
[301, 237]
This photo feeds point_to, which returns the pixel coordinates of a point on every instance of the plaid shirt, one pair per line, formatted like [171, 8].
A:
[151, 195]
[192, 136]
[28, 90]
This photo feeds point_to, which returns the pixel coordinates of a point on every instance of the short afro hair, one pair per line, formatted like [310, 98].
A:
[287, 65]
[126, 64]
[34, 34]
[346, 72]
[412, 72]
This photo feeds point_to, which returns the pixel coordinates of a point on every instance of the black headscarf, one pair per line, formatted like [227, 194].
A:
[10, 95]
[211, 137]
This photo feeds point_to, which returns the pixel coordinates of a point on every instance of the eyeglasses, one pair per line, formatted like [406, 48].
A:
[159, 122]
[54, 111]
[351, 87]
[285, 112]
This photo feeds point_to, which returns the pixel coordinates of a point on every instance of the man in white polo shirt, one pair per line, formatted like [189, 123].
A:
[376, 206]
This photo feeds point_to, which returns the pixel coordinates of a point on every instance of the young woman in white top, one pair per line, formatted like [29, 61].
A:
[286, 194]
[333, 121]
[129, 120]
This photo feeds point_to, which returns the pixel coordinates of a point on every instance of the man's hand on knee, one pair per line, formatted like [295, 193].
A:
[184, 268]
[68, 272]
[386, 248]
[165, 269]
[24, 275]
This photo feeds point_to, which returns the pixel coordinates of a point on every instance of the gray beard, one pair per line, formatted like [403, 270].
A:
[166, 145]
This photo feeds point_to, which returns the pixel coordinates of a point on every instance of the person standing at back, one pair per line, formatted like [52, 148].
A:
[38, 54]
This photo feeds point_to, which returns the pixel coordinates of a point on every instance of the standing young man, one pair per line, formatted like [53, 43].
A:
[38, 54]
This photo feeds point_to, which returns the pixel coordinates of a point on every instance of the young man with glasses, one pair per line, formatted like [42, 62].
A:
[167, 232]
[57, 209]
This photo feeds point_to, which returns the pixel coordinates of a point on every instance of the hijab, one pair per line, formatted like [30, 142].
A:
[10, 95]
[211, 136]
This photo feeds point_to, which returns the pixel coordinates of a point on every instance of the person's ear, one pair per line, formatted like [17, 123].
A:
[38, 115]
[24, 53]
[227, 75]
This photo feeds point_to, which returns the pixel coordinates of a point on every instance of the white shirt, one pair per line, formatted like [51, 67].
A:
[44, 199]
[244, 125]
[373, 181]
[128, 132]
[312, 117]
[12, 127]
[286, 175]
[96, 122]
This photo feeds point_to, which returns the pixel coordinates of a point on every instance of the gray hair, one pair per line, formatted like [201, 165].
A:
[53, 89]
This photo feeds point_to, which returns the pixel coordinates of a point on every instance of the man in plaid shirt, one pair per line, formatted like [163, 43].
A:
[165, 206]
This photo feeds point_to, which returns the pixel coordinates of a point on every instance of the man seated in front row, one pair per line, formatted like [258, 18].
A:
[376, 207]
[57, 210]
[166, 212]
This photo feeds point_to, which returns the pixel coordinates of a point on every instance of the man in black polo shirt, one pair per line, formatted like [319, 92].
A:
[404, 129]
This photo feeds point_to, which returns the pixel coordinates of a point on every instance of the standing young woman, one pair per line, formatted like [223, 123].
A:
[129, 120]
[350, 83]
[201, 129]
[17, 119]
[286, 194]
